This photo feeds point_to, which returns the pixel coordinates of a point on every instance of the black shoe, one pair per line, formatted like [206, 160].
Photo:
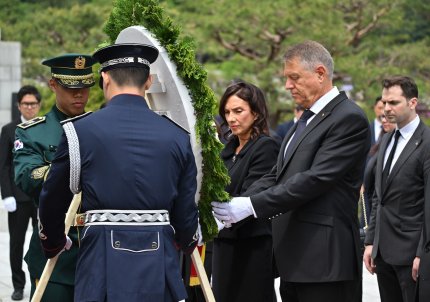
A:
[18, 294]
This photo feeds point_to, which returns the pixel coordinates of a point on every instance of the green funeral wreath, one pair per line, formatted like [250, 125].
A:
[148, 13]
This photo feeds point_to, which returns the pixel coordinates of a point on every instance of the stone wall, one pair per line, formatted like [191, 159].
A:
[10, 81]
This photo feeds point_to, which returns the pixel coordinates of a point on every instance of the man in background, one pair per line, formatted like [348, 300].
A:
[376, 124]
[394, 241]
[20, 206]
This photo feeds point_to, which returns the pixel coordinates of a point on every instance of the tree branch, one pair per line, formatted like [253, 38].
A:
[237, 47]
[275, 41]
[361, 32]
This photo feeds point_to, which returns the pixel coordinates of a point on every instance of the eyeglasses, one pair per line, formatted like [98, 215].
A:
[29, 105]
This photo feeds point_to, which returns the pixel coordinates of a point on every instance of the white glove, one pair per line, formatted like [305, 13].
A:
[234, 211]
[10, 204]
[219, 225]
[199, 235]
[67, 246]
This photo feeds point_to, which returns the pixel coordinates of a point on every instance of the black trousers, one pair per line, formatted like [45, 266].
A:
[340, 291]
[394, 281]
[18, 223]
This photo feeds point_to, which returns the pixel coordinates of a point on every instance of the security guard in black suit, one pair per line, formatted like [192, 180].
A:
[138, 181]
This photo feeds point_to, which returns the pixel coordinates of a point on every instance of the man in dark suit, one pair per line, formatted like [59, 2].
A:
[20, 206]
[311, 193]
[424, 267]
[394, 237]
[376, 124]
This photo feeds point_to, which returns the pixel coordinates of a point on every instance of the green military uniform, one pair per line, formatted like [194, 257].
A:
[34, 149]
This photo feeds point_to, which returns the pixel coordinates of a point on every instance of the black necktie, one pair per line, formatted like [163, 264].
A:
[301, 125]
[386, 171]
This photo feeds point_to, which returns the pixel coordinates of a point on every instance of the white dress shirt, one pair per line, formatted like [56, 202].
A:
[317, 107]
[405, 135]
[377, 126]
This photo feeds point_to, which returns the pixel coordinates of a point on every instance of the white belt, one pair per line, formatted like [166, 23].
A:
[126, 217]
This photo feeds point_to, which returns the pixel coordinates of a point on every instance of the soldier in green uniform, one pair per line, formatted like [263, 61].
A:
[34, 148]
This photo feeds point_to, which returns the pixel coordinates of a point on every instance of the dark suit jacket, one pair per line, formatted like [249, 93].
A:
[424, 270]
[397, 213]
[369, 185]
[255, 159]
[7, 183]
[313, 194]
[372, 133]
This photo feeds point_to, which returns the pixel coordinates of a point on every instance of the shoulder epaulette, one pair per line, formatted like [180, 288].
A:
[32, 122]
[168, 118]
[72, 119]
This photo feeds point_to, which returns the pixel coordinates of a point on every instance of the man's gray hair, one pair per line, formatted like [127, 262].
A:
[311, 54]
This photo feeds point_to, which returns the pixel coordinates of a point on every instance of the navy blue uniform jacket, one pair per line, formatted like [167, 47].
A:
[131, 159]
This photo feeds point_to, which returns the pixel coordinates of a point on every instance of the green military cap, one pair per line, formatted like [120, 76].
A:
[72, 70]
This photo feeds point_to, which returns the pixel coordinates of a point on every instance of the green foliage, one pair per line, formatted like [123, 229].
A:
[149, 14]
[49, 28]
[369, 40]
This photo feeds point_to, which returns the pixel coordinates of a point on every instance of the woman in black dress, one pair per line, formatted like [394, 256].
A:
[242, 268]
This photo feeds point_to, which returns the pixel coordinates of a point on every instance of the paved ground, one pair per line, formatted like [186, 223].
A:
[370, 287]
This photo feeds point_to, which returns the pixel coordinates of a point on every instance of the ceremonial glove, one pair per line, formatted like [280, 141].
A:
[219, 225]
[67, 246]
[199, 235]
[10, 204]
[233, 211]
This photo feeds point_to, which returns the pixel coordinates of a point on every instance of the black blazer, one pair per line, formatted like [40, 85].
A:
[7, 184]
[424, 269]
[255, 159]
[372, 133]
[369, 185]
[314, 195]
[397, 216]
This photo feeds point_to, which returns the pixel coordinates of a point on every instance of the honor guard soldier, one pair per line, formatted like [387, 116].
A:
[34, 148]
[137, 174]
[20, 206]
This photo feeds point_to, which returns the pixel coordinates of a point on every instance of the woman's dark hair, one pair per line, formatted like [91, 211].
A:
[256, 100]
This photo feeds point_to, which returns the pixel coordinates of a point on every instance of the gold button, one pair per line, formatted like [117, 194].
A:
[154, 245]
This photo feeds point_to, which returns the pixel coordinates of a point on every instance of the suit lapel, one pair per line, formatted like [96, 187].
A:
[410, 147]
[325, 112]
